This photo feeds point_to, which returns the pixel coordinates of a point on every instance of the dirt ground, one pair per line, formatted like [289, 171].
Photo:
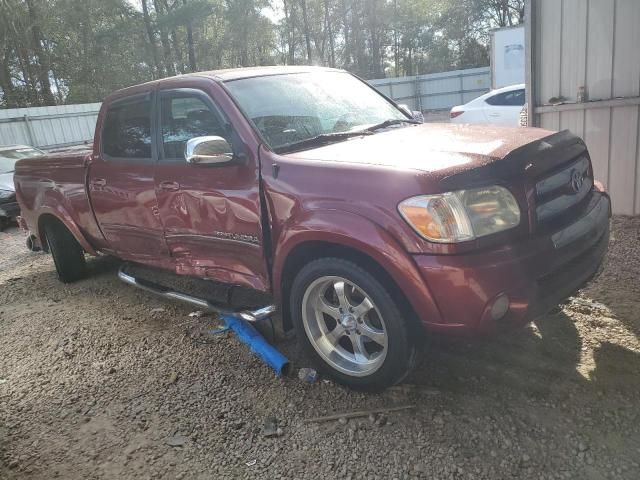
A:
[97, 382]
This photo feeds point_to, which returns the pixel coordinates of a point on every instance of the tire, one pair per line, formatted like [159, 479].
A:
[67, 253]
[366, 346]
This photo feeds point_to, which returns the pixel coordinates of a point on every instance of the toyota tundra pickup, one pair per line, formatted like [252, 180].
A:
[362, 226]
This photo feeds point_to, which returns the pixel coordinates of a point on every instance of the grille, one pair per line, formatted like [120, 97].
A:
[562, 190]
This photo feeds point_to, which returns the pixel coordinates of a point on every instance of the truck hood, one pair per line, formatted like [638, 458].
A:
[429, 147]
[6, 181]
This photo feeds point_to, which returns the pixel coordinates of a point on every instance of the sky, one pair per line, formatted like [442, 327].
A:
[274, 13]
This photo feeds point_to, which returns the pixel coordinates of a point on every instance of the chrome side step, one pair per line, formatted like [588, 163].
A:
[247, 315]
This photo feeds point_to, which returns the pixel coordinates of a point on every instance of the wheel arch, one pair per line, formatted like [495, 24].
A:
[365, 244]
[49, 215]
[308, 251]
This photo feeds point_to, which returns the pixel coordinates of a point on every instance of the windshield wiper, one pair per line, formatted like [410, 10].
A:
[325, 138]
[389, 123]
[322, 139]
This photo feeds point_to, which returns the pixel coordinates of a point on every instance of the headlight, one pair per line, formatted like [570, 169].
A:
[463, 215]
[4, 194]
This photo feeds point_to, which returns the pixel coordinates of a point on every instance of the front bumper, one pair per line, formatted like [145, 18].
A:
[9, 210]
[535, 274]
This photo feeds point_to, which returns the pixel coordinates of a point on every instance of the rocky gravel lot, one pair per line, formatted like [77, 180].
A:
[99, 380]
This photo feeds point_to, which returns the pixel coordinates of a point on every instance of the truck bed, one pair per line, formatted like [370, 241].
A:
[56, 184]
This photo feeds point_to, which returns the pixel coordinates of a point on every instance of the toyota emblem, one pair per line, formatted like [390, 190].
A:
[577, 179]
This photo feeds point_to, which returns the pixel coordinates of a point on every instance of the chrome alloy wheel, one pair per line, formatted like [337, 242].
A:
[344, 326]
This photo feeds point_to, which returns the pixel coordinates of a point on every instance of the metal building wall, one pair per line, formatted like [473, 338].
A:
[436, 91]
[48, 127]
[591, 43]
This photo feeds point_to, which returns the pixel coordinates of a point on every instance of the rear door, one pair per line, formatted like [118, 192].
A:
[121, 184]
[504, 108]
[211, 213]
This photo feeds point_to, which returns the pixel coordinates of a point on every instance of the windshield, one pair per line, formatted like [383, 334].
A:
[8, 158]
[289, 109]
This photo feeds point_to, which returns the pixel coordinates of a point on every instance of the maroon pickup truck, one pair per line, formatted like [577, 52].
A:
[364, 228]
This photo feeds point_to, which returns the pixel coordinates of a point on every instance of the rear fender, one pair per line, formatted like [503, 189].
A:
[356, 232]
[61, 214]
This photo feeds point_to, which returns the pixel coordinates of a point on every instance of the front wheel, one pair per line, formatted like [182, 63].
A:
[351, 325]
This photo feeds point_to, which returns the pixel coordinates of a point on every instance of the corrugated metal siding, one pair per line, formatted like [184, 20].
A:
[48, 127]
[436, 91]
[593, 43]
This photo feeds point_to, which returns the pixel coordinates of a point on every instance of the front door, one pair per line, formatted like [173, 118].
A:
[121, 184]
[211, 213]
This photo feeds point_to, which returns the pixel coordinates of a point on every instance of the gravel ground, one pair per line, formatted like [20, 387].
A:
[99, 380]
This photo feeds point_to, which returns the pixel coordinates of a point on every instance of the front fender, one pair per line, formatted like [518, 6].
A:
[354, 231]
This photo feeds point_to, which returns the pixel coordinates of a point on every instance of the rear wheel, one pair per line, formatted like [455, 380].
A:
[350, 324]
[67, 253]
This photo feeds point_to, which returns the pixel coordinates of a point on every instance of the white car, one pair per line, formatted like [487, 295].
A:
[498, 107]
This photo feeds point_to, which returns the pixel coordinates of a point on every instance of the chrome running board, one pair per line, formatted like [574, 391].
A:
[247, 315]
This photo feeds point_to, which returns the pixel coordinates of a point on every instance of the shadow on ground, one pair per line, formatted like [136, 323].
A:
[543, 357]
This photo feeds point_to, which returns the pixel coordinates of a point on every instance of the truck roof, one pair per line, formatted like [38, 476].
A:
[225, 75]
[238, 73]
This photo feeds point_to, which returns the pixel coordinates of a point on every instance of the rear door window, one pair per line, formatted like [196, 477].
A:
[507, 99]
[127, 129]
[185, 116]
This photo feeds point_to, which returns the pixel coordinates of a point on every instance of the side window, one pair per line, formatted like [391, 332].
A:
[517, 99]
[507, 99]
[127, 129]
[495, 100]
[184, 117]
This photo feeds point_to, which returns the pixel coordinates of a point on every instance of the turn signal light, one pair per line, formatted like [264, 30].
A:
[422, 220]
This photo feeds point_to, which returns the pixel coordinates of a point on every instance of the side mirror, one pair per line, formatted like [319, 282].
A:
[415, 114]
[208, 151]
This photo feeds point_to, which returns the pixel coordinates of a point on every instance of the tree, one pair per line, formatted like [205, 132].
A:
[43, 61]
[193, 66]
[152, 39]
[307, 33]
[289, 30]
[329, 29]
[168, 61]
[502, 13]
[79, 51]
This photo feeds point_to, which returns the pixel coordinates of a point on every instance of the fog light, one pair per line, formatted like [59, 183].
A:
[500, 307]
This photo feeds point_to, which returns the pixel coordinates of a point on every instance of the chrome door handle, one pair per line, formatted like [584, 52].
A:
[98, 182]
[171, 186]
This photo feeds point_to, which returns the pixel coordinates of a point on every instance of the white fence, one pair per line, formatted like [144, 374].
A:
[436, 91]
[48, 127]
[64, 125]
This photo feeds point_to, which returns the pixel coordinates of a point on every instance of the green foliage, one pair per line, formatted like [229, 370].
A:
[73, 51]
[90, 47]
[393, 37]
